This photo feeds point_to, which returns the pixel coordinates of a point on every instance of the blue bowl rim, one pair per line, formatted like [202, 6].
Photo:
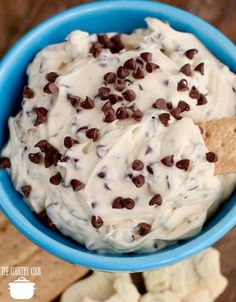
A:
[116, 262]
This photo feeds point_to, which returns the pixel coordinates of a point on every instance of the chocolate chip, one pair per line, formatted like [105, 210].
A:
[146, 56]
[122, 113]
[155, 200]
[183, 106]
[26, 190]
[56, 179]
[140, 62]
[182, 85]
[52, 156]
[104, 92]
[139, 73]
[200, 68]
[164, 118]
[113, 98]
[95, 49]
[183, 164]
[42, 145]
[69, 142]
[118, 203]
[150, 67]
[118, 45]
[92, 133]
[87, 103]
[110, 77]
[130, 64]
[96, 221]
[122, 72]
[169, 106]
[150, 169]
[35, 157]
[51, 88]
[191, 53]
[129, 95]
[160, 104]
[5, 163]
[102, 38]
[119, 85]
[194, 93]
[202, 100]
[77, 185]
[74, 100]
[211, 157]
[138, 181]
[137, 115]
[176, 113]
[101, 174]
[106, 107]
[186, 69]
[52, 76]
[41, 117]
[28, 92]
[168, 160]
[137, 165]
[129, 203]
[144, 228]
[110, 116]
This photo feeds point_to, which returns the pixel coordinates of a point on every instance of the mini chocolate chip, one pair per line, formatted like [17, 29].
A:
[202, 100]
[96, 221]
[52, 156]
[102, 38]
[186, 69]
[164, 118]
[95, 49]
[113, 98]
[150, 67]
[104, 92]
[200, 68]
[56, 179]
[41, 115]
[92, 133]
[144, 228]
[26, 190]
[28, 92]
[129, 95]
[150, 169]
[160, 104]
[110, 116]
[137, 115]
[191, 53]
[106, 107]
[169, 106]
[194, 93]
[138, 181]
[87, 103]
[183, 106]
[69, 142]
[122, 72]
[51, 88]
[129, 203]
[74, 100]
[77, 185]
[155, 200]
[146, 56]
[119, 85]
[140, 62]
[52, 76]
[35, 157]
[183, 164]
[110, 77]
[182, 85]
[42, 145]
[137, 165]
[122, 113]
[118, 203]
[148, 150]
[211, 157]
[5, 163]
[139, 73]
[116, 38]
[176, 113]
[168, 160]
[130, 64]
[101, 174]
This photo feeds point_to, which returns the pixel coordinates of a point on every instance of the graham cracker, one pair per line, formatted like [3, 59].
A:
[220, 138]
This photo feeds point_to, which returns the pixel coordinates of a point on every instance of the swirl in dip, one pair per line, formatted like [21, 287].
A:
[106, 144]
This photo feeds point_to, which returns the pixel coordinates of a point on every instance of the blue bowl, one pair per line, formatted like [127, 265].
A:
[122, 16]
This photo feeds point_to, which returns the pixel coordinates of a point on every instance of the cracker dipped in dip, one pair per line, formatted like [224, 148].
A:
[106, 145]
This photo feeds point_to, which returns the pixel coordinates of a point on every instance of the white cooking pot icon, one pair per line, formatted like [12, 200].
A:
[21, 289]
